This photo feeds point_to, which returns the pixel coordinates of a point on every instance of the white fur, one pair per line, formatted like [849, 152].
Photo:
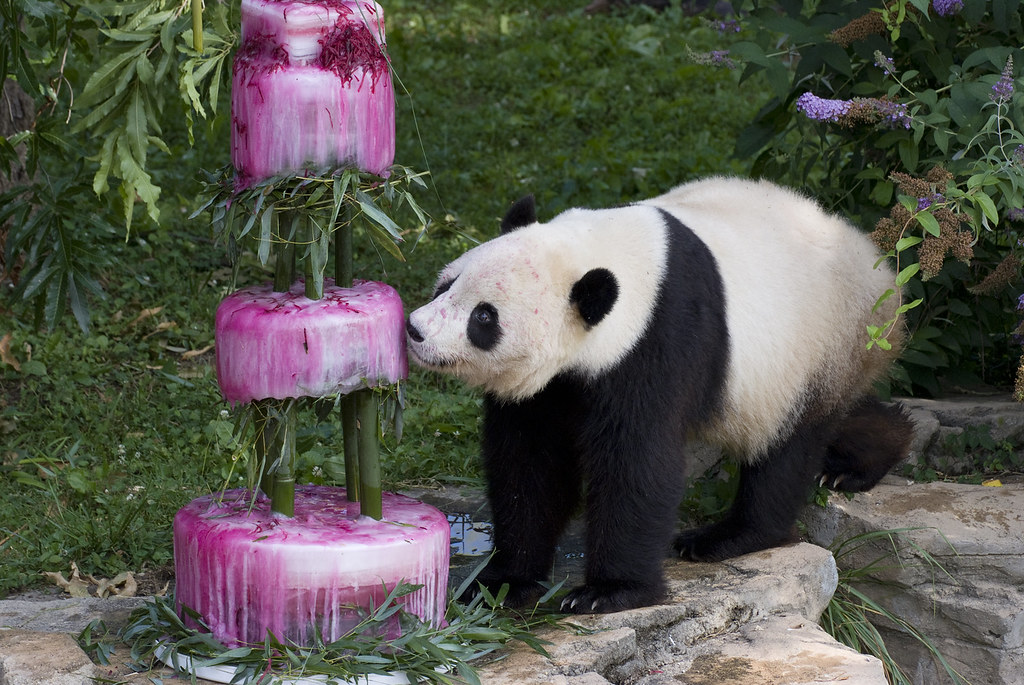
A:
[799, 290]
[528, 275]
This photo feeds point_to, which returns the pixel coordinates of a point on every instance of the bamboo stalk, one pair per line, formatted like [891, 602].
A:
[197, 25]
[282, 496]
[350, 444]
[284, 267]
[314, 290]
[369, 457]
[343, 275]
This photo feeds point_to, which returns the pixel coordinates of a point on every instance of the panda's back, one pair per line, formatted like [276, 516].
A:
[799, 288]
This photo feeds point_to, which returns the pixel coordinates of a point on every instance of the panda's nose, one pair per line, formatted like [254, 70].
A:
[413, 332]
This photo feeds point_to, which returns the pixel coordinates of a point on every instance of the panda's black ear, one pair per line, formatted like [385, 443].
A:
[523, 212]
[594, 295]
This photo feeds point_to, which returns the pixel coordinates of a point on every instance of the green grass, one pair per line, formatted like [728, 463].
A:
[104, 436]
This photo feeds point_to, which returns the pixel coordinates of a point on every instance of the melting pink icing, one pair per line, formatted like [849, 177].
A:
[280, 345]
[249, 572]
[296, 105]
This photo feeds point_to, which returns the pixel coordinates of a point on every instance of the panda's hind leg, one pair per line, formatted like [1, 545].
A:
[771, 493]
[866, 444]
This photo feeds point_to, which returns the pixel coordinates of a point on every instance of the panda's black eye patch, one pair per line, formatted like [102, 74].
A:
[483, 329]
[443, 288]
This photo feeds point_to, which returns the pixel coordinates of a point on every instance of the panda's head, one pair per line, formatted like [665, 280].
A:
[512, 313]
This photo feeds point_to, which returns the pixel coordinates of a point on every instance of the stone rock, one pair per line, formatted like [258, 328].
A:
[781, 650]
[33, 658]
[60, 615]
[940, 421]
[954, 571]
[744, 597]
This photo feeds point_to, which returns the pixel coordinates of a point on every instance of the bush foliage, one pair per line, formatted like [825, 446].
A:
[907, 116]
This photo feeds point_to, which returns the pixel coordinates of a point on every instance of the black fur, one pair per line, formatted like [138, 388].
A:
[621, 435]
[484, 329]
[594, 295]
[850, 450]
[868, 442]
[523, 212]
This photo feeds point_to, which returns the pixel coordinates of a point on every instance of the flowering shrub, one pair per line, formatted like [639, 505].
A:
[906, 116]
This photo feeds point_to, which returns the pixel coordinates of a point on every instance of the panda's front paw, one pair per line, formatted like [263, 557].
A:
[609, 596]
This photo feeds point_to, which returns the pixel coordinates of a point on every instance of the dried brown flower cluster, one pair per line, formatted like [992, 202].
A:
[1018, 392]
[932, 252]
[1005, 273]
[870, 24]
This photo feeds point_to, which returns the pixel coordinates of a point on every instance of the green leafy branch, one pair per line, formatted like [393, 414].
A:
[334, 200]
[424, 652]
[122, 97]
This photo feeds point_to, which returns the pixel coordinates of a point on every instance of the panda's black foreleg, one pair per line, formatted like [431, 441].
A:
[772, 491]
[634, 484]
[533, 486]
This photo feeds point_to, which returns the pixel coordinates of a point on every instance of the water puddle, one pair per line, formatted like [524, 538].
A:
[472, 541]
[470, 538]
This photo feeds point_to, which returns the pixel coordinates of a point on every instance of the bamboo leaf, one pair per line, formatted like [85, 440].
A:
[381, 220]
[265, 233]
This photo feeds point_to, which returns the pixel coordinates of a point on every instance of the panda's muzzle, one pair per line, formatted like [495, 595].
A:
[412, 331]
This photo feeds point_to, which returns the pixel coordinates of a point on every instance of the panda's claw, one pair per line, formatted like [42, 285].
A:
[609, 596]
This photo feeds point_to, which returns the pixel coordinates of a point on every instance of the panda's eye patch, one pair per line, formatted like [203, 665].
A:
[443, 288]
[483, 329]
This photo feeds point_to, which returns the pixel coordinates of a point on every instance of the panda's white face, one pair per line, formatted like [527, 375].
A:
[574, 294]
[501, 317]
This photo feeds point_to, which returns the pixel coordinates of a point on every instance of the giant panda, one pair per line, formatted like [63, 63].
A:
[727, 310]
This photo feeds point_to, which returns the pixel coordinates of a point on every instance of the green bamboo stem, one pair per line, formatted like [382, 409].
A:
[197, 25]
[314, 290]
[282, 495]
[284, 267]
[350, 444]
[343, 275]
[369, 457]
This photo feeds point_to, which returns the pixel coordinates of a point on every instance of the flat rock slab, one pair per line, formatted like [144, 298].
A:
[950, 558]
[781, 650]
[32, 658]
[66, 615]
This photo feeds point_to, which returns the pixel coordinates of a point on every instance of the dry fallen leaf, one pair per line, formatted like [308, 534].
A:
[196, 353]
[145, 314]
[76, 586]
[5, 353]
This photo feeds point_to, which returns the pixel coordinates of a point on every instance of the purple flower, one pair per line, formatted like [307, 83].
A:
[895, 113]
[884, 63]
[723, 26]
[1015, 215]
[1003, 90]
[947, 8]
[1018, 155]
[926, 202]
[715, 58]
[821, 109]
